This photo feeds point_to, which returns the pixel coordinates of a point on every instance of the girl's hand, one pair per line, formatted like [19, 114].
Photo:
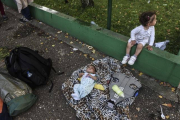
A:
[133, 42]
[149, 48]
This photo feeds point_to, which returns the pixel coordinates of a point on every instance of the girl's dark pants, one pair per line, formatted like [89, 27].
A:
[26, 13]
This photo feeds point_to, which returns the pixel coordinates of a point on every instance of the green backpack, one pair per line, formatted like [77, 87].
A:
[16, 94]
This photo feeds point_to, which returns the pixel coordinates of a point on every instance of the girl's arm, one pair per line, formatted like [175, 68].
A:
[152, 37]
[151, 41]
[81, 74]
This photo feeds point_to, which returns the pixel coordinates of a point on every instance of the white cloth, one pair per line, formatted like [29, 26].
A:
[143, 36]
[85, 87]
[21, 4]
[162, 45]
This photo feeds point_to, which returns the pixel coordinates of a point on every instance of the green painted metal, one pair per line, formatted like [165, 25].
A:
[109, 14]
[157, 63]
[37, 12]
[10, 3]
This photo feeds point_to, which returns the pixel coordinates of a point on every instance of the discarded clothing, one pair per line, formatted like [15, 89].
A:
[161, 45]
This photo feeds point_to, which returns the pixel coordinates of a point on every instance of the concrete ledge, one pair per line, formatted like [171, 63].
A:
[158, 64]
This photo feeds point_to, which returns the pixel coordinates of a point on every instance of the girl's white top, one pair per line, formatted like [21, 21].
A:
[140, 34]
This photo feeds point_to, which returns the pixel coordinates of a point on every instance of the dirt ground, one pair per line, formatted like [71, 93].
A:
[53, 106]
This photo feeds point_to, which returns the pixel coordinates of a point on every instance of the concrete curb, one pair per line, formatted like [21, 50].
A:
[158, 64]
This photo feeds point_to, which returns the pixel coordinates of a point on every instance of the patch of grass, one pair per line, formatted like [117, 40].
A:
[4, 52]
[125, 16]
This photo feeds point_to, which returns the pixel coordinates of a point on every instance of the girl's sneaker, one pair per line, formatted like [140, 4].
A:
[23, 20]
[132, 60]
[125, 59]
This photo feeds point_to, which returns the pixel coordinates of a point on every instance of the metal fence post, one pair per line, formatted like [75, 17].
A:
[109, 14]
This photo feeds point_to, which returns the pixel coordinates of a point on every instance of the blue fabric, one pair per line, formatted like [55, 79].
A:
[26, 13]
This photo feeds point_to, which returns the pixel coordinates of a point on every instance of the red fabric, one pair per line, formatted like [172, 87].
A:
[2, 8]
[1, 105]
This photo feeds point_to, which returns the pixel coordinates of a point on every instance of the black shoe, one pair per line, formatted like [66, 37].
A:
[5, 18]
[23, 20]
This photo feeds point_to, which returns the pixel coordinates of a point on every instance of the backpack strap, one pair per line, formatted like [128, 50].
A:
[52, 85]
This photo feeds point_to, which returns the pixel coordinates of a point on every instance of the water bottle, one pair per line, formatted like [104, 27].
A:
[29, 74]
[118, 90]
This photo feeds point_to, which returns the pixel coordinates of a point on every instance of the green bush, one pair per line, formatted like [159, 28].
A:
[125, 16]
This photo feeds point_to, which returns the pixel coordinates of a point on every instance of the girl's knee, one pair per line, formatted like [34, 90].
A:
[140, 45]
[129, 45]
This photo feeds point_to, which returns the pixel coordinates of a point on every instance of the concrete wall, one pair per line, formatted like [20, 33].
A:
[158, 64]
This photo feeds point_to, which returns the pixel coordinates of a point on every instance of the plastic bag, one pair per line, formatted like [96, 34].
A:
[161, 45]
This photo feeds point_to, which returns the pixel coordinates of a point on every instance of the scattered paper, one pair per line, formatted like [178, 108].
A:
[59, 32]
[75, 49]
